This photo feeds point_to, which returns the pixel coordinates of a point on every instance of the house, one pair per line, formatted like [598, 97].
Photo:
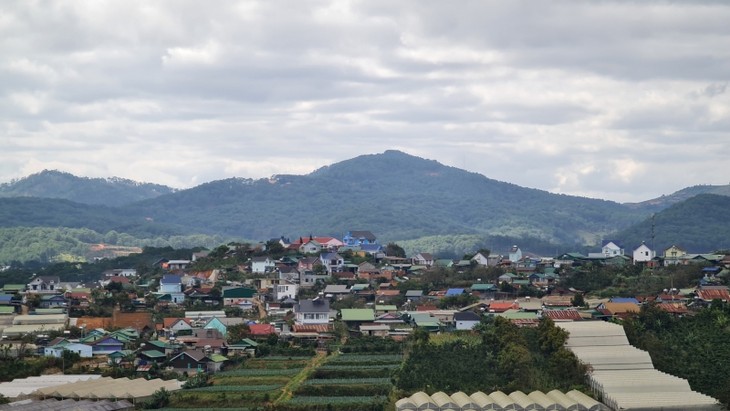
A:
[218, 325]
[617, 309]
[357, 238]
[502, 306]
[414, 295]
[423, 259]
[466, 320]
[570, 314]
[106, 345]
[336, 291]
[486, 260]
[44, 285]
[238, 297]
[83, 350]
[508, 278]
[332, 262]
[707, 294]
[53, 301]
[354, 317]
[375, 330]
[261, 265]
[643, 254]
[609, 248]
[176, 264]
[673, 255]
[172, 285]
[310, 247]
[120, 272]
[190, 361]
[316, 311]
[261, 330]
[285, 290]
[515, 254]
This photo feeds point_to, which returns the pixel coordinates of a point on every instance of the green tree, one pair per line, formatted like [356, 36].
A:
[394, 250]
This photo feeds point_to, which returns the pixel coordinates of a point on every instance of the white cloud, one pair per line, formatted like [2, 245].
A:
[618, 100]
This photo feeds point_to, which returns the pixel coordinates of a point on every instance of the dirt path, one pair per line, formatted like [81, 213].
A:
[288, 391]
[261, 308]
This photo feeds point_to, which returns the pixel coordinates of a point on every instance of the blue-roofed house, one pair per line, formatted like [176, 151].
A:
[106, 345]
[372, 249]
[358, 238]
[172, 285]
[451, 292]
[623, 300]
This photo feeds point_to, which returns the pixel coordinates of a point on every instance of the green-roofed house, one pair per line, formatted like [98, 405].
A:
[13, 288]
[354, 317]
[7, 310]
[151, 356]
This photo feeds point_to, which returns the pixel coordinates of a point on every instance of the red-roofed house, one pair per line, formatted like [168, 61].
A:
[261, 330]
[502, 306]
[570, 314]
[674, 308]
[709, 294]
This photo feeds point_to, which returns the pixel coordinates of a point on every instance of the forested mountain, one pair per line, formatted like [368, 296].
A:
[399, 197]
[395, 195]
[660, 203]
[107, 191]
[700, 224]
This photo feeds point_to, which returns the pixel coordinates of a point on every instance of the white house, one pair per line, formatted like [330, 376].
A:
[44, 285]
[515, 254]
[83, 350]
[285, 290]
[260, 265]
[423, 259]
[332, 262]
[310, 247]
[466, 320]
[315, 311]
[172, 285]
[643, 254]
[610, 248]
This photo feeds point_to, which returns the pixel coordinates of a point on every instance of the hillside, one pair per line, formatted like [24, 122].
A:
[393, 194]
[660, 203]
[99, 191]
[699, 224]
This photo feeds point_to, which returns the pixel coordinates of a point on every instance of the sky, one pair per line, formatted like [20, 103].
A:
[618, 100]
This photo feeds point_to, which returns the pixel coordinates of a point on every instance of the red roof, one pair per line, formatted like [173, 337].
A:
[427, 307]
[502, 306]
[170, 321]
[713, 294]
[562, 315]
[673, 308]
[388, 293]
[261, 329]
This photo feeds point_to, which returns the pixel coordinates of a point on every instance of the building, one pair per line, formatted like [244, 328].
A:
[643, 254]
[357, 238]
[261, 265]
[171, 285]
[44, 285]
[316, 311]
[466, 320]
[285, 290]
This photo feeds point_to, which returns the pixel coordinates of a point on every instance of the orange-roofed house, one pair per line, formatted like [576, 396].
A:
[502, 306]
[709, 294]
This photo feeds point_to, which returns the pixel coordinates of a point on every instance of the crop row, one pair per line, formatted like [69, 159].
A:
[358, 367]
[347, 381]
[237, 388]
[259, 372]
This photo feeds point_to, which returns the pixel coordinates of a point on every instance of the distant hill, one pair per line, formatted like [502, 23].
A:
[660, 203]
[397, 196]
[101, 191]
[393, 194]
[699, 224]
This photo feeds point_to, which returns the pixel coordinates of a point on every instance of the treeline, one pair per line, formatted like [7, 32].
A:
[629, 280]
[504, 357]
[692, 347]
[20, 245]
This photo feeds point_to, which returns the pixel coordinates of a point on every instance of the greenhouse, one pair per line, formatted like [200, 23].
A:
[109, 388]
[499, 401]
[624, 376]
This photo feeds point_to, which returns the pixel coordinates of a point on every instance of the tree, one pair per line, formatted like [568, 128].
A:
[160, 399]
[237, 332]
[394, 250]
[578, 300]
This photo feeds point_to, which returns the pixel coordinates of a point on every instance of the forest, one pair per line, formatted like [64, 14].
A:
[692, 347]
[499, 356]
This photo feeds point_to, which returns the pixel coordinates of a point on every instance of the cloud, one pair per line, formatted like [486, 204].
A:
[618, 100]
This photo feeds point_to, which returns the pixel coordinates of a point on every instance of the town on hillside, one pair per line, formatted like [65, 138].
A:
[313, 322]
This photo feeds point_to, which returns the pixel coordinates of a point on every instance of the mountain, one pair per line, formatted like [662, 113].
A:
[101, 191]
[393, 194]
[699, 224]
[660, 203]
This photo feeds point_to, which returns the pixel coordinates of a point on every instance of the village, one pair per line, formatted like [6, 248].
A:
[310, 296]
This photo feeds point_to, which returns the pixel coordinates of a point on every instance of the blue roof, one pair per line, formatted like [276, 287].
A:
[711, 269]
[454, 291]
[171, 279]
[624, 300]
[5, 298]
[371, 247]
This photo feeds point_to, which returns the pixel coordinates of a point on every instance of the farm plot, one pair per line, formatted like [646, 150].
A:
[257, 383]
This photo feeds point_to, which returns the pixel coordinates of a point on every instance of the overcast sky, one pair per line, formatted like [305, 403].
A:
[613, 99]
